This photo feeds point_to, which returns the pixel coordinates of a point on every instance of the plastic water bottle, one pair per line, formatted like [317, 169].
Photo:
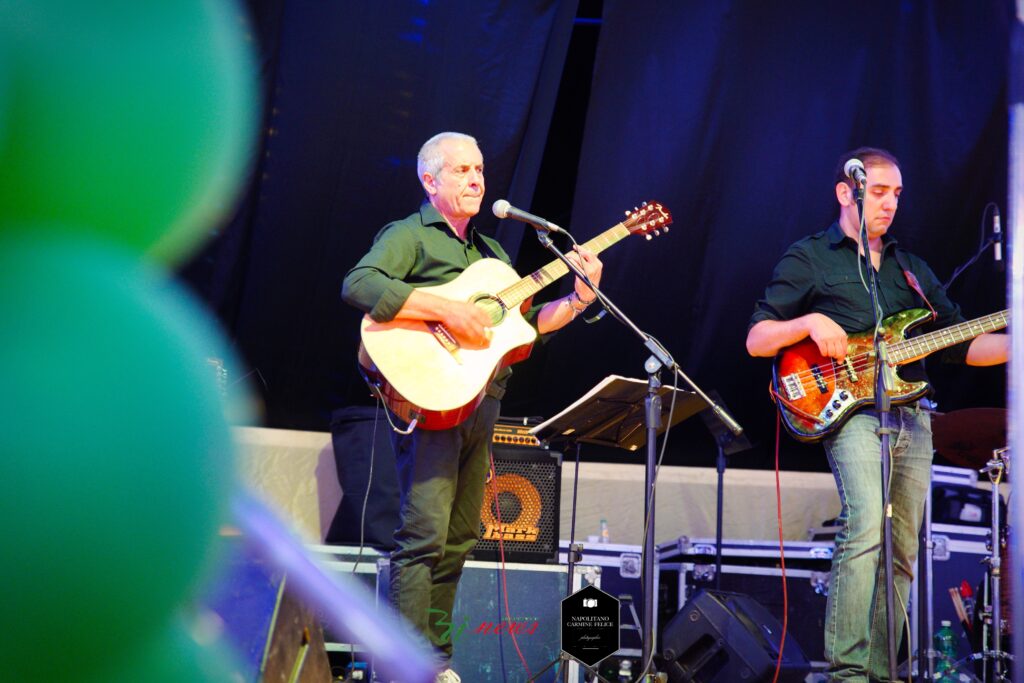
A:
[604, 531]
[945, 653]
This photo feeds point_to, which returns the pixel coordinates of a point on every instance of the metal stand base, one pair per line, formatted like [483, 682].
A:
[992, 642]
[564, 659]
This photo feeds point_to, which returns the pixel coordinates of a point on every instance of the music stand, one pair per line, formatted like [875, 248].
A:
[727, 443]
[613, 413]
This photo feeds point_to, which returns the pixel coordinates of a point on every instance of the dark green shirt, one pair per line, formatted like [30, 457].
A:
[417, 251]
[820, 274]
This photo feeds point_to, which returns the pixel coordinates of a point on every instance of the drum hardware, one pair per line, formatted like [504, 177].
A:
[974, 438]
[995, 614]
[968, 437]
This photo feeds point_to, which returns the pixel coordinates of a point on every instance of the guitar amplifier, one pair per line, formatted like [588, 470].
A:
[520, 513]
[521, 499]
[514, 434]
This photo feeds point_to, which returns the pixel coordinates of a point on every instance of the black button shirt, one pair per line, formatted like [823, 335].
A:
[822, 273]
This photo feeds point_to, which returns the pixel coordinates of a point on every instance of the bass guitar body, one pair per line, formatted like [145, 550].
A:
[816, 394]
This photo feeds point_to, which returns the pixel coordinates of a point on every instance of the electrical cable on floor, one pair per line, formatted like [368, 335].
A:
[504, 573]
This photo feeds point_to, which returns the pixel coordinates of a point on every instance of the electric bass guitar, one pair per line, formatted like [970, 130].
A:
[419, 369]
[816, 394]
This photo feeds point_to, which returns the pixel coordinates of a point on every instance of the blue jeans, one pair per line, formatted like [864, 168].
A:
[441, 476]
[855, 625]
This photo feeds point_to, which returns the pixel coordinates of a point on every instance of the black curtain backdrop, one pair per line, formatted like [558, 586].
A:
[732, 114]
[353, 90]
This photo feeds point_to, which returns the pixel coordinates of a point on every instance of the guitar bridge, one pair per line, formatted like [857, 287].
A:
[445, 338]
[793, 387]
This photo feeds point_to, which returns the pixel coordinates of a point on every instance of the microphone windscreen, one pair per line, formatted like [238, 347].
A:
[500, 208]
[851, 165]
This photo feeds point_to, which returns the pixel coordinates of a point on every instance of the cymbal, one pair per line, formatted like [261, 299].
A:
[967, 437]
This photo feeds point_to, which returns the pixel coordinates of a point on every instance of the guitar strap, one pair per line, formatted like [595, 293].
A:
[481, 245]
[901, 259]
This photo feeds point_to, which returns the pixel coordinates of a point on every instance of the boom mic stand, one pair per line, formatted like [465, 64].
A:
[883, 405]
[659, 358]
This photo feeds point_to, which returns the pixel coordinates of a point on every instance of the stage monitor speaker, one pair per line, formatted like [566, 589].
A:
[521, 506]
[721, 637]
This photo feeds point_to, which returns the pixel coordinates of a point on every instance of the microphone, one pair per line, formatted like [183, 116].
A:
[502, 209]
[997, 235]
[854, 170]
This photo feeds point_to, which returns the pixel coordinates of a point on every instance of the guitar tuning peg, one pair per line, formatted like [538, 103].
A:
[648, 237]
[644, 204]
[666, 228]
[656, 232]
[626, 212]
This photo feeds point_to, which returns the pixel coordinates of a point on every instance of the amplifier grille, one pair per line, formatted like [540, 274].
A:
[521, 506]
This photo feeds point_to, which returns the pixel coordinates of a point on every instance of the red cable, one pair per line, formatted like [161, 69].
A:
[782, 552]
[504, 574]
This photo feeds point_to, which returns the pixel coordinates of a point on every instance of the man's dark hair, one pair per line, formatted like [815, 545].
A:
[871, 156]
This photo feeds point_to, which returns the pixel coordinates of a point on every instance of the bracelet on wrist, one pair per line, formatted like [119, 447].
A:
[576, 304]
[580, 300]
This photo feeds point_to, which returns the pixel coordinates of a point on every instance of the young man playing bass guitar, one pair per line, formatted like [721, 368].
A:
[818, 296]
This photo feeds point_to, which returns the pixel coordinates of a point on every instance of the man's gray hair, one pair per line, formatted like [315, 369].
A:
[430, 159]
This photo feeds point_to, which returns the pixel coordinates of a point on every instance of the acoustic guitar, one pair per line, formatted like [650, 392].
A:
[419, 369]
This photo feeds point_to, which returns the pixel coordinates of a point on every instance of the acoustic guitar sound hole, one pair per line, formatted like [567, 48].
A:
[491, 306]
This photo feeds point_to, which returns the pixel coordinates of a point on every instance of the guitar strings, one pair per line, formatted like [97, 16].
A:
[861, 362]
[537, 280]
[864, 361]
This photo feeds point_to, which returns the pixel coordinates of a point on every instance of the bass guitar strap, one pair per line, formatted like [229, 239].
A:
[901, 259]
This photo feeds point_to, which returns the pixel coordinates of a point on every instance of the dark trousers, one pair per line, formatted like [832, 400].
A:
[441, 476]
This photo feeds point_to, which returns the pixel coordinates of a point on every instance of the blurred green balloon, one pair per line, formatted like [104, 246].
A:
[130, 120]
[3, 91]
[172, 656]
[116, 462]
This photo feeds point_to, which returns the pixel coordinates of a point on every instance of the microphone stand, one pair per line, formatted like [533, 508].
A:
[883, 405]
[659, 358]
